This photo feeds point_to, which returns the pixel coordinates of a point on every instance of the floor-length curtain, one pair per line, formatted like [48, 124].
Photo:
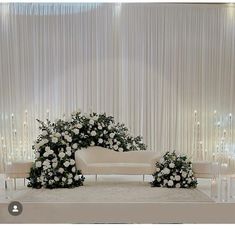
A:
[166, 70]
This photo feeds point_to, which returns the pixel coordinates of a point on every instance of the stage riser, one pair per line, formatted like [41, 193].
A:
[121, 213]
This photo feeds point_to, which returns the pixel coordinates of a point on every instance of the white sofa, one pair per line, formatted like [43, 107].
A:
[98, 160]
[17, 169]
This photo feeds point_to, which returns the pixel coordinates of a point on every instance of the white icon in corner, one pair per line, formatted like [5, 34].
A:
[15, 208]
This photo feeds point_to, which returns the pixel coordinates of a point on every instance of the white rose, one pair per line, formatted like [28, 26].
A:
[112, 135]
[189, 180]
[100, 127]
[68, 148]
[61, 154]
[184, 174]
[79, 126]
[44, 167]
[74, 169]
[60, 170]
[75, 146]
[166, 171]
[57, 135]
[72, 162]
[76, 177]
[44, 133]
[100, 140]
[170, 183]
[37, 155]
[105, 132]
[36, 146]
[95, 118]
[56, 179]
[159, 179]
[47, 148]
[50, 152]
[66, 164]
[93, 133]
[70, 181]
[177, 185]
[91, 122]
[109, 127]
[165, 182]
[171, 165]
[157, 169]
[120, 149]
[115, 147]
[63, 179]
[54, 139]
[38, 164]
[69, 153]
[46, 154]
[177, 178]
[92, 143]
[76, 131]
[70, 175]
[162, 160]
[54, 165]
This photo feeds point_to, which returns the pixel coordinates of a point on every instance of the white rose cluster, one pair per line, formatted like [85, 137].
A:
[174, 171]
[55, 147]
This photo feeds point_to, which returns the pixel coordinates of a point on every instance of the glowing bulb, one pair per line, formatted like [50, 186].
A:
[195, 112]
[215, 111]
[230, 115]
[198, 123]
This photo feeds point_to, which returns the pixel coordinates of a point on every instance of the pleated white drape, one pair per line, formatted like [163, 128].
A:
[149, 65]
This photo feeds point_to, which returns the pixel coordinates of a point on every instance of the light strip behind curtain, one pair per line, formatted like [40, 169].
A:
[165, 70]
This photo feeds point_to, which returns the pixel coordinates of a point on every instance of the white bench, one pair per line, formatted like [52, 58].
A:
[21, 169]
[18, 169]
[205, 169]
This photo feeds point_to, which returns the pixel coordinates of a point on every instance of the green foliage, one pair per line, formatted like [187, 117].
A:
[55, 147]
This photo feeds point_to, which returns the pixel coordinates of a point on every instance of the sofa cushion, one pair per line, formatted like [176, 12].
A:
[118, 168]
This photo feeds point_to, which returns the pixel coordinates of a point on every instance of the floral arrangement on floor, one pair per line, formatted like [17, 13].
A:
[174, 171]
[55, 147]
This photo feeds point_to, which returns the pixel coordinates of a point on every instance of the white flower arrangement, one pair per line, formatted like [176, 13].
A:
[56, 145]
[174, 171]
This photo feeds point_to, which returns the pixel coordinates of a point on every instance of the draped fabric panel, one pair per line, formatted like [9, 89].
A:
[166, 70]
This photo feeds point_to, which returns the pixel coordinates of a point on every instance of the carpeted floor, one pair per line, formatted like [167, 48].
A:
[110, 191]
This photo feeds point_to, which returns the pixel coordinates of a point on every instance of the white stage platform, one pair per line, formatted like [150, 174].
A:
[116, 199]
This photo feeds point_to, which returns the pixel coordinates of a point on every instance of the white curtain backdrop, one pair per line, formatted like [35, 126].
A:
[166, 70]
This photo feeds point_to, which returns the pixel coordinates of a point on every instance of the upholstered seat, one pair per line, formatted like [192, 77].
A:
[18, 169]
[204, 169]
[99, 160]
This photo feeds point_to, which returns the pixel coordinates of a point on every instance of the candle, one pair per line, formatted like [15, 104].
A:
[201, 151]
[214, 188]
[224, 168]
[213, 157]
[48, 114]
[205, 156]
